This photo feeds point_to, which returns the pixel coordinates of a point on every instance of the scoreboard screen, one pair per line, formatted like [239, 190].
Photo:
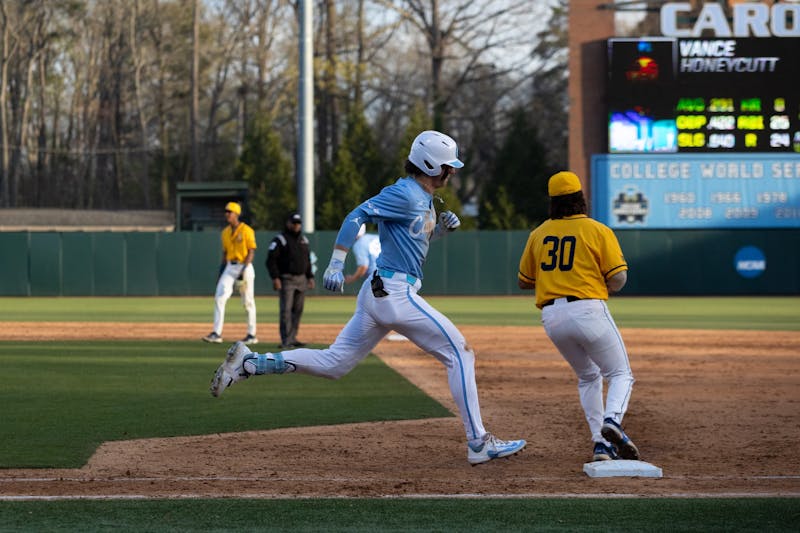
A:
[701, 95]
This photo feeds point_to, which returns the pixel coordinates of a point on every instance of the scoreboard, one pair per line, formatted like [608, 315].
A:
[702, 133]
[699, 95]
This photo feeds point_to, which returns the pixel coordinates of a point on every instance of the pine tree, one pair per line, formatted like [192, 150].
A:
[500, 212]
[364, 151]
[516, 196]
[344, 190]
[267, 169]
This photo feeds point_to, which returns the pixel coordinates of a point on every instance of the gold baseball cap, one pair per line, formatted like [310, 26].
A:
[563, 183]
[233, 207]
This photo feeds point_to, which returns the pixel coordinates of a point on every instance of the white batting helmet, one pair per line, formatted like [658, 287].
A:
[431, 149]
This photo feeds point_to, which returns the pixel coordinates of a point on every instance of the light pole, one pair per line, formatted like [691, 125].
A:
[305, 145]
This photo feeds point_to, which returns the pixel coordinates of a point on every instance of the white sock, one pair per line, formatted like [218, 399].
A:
[250, 365]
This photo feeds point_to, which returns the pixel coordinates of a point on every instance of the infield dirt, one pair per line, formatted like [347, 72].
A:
[718, 411]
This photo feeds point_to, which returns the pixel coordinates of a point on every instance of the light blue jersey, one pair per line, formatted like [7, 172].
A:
[406, 219]
[390, 301]
[366, 251]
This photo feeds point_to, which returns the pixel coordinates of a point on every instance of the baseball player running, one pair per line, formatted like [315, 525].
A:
[573, 262]
[389, 299]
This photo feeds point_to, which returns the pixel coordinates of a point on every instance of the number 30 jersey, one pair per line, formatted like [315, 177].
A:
[571, 256]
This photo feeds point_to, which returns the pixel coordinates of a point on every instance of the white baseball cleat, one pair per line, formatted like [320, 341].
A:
[231, 370]
[493, 448]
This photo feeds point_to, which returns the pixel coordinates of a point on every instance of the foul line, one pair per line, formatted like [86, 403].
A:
[220, 495]
[322, 478]
[582, 496]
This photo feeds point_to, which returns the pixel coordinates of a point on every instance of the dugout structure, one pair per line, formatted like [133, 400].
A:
[201, 206]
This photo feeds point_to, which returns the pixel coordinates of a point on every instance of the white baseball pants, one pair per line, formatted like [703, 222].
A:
[404, 311]
[587, 337]
[224, 291]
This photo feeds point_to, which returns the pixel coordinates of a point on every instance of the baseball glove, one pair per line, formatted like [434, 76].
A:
[240, 286]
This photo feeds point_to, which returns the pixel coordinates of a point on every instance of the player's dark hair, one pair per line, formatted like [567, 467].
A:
[412, 169]
[568, 205]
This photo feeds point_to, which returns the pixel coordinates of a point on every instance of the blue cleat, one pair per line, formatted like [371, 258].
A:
[250, 339]
[603, 452]
[213, 337]
[493, 448]
[613, 433]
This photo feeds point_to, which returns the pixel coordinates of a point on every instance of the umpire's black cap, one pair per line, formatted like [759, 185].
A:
[294, 218]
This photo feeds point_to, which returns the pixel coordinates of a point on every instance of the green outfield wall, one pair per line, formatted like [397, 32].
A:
[668, 262]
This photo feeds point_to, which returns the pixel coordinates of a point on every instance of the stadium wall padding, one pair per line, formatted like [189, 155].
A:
[662, 262]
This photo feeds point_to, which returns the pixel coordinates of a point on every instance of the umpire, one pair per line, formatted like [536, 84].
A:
[289, 266]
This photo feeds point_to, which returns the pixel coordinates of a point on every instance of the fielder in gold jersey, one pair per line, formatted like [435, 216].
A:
[573, 262]
[238, 251]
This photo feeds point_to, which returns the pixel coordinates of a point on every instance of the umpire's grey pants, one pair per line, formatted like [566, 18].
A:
[292, 298]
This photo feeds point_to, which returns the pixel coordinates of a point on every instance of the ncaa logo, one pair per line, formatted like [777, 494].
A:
[750, 262]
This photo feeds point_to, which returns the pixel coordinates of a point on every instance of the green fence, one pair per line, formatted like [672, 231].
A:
[463, 263]
[703, 262]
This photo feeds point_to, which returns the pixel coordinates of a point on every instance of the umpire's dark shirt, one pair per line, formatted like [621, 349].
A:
[289, 254]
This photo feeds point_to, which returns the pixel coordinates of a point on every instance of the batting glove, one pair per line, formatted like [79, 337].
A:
[333, 279]
[449, 220]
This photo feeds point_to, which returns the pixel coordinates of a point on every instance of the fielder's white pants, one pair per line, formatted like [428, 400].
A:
[587, 337]
[224, 291]
[404, 311]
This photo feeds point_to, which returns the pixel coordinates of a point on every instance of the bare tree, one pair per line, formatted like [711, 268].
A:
[550, 96]
[32, 39]
[169, 34]
[327, 88]
[271, 57]
[88, 126]
[108, 162]
[360, 55]
[109, 103]
[10, 44]
[138, 59]
[219, 97]
[462, 37]
[194, 110]
[23, 40]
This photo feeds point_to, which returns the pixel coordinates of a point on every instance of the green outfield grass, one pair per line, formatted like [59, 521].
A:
[440, 514]
[60, 400]
[765, 313]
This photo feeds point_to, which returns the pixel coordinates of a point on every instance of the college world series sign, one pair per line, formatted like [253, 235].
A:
[696, 191]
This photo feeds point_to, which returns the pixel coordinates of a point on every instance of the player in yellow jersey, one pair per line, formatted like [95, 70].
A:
[574, 262]
[238, 251]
